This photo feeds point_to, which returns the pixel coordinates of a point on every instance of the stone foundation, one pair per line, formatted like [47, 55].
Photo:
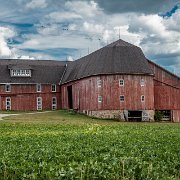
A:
[121, 115]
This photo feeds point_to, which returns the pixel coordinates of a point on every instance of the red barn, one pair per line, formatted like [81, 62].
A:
[116, 81]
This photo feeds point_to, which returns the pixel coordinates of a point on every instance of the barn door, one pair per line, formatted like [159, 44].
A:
[70, 97]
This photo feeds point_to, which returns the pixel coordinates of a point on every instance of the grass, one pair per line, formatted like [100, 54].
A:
[65, 145]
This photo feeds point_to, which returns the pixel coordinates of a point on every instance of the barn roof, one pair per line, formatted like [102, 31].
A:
[44, 72]
[119, 57]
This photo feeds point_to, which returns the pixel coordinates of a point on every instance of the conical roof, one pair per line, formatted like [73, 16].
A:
[119, 57]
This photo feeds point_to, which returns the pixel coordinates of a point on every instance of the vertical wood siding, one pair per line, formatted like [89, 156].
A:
[166, 89]
[86, 91]
[23, 97]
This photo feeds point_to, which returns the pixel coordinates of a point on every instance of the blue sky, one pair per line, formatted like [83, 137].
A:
[68, 30]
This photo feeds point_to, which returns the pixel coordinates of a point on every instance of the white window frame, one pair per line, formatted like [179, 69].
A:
[142, 98]
[54, 105]
[99, 82]
[121, 82]
[53, 87]
[6, 87]
[20, 72]
[121, 98]
[39, 103]
[8, 107]
[100, 99]
[142, 82]
[38, 88]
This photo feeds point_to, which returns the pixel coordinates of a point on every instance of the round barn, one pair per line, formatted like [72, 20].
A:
[116, 81]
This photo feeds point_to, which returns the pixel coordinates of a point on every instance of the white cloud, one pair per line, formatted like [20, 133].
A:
[36, 4]
[62, 16]
[89, 27]
[5, 34]
[85, 8]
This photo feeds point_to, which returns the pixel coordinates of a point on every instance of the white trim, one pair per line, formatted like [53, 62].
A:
[54, 106]
[100, 99]
[142, 98]
[142, 82]
[8, 105]
[99, 82]
[53, 85]
[20, 72]
[39, 103]
[6, 87]
[121, 96]
[38, 88]
[121, 82]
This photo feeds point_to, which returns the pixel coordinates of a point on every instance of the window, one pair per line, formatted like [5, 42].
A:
[21, 72]
[8, 103]
[39, 103]
[142, 82]
[121, 82]
[99, 99]
[38, 88]
[8, 88]
[142, 98]
[121, 98]
[54, 103]
[53, 87]
[99, 83]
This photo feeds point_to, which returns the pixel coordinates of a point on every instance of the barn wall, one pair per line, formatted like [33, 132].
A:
[23, 97]
[86, 92]
[166, 91]
[176, 115]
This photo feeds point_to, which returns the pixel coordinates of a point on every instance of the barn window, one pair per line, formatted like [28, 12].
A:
[54, 103]
[142, 98]
[39, 103]
[38, 88]
[8, 88]
[21, 73]
[99, 83]
[121, 82]
[121, 98]
[53, 87]
[142, 82]
[8, 103]
[99, 99]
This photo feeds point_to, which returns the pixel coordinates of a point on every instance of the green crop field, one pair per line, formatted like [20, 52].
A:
[64, 145]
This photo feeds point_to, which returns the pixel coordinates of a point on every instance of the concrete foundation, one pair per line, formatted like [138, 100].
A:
[121, 115]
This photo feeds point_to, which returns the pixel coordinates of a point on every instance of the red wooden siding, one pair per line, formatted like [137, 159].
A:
[166, 89]
[23, 97]
[86, 91]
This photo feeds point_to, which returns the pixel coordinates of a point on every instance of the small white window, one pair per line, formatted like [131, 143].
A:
[39, 103]
[99, 83]
[54, 103]
[99, 99]
[121, 82]
[18, 73]
[8, 103]
[53, 87]
[13, 72]
[38, 88]
[142, 82]
[142, 98]
[121, 98]
[8, 88]
[23, 72]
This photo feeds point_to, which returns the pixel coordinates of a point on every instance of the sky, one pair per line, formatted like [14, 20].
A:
[70, 29]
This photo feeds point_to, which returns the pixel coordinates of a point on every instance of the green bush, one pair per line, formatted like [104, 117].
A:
[158, 116]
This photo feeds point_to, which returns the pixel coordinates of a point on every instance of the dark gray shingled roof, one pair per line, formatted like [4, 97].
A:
[44, 72]
[119, 57]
